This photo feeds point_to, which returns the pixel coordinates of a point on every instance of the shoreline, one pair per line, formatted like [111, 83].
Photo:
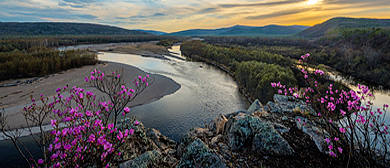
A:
[14, 98]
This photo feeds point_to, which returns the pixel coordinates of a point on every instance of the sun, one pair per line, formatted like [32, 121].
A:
[311, 2]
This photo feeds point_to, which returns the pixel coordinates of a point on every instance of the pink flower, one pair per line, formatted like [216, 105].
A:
[53, 123]
[327, 140]
[330, 147]
[342, 130]
[340, 150]
[52, 157]
[336, 139]
[136, 122]
[332, 154]
[342, 112]
[126, 109]
[91, 138]
[110, 125]
[67, 146]
[40, 161]
[107, 145]
[131, 131]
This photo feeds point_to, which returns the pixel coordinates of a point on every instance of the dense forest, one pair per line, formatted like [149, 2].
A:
[253, 69]
[12, 29]
[360, 52]
[39, 61]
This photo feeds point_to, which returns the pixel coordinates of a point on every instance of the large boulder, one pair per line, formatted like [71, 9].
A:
[255, 106]
[240, 130]
[198, 154]
[264, 138]
[268, 141]
[148, 159]
[316, 134]
[159, 139]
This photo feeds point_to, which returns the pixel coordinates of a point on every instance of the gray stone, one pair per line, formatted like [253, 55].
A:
[148, 159]
[216, 139]
[273, 108]
[316, 134]
[255, 106]
[197, 154]
[240, 130]
[268, 141]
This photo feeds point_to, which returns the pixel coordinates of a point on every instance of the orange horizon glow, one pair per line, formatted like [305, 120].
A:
[172, 15]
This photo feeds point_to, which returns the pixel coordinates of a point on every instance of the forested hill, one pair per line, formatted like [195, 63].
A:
[238, 30]
[58, 28]
[333, 27]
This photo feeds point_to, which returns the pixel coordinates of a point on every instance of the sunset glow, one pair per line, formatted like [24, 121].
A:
[311, 2]
[172, 15]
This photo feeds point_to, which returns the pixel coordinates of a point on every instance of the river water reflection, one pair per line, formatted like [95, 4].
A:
[205, 92]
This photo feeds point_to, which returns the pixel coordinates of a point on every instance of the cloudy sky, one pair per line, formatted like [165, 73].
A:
[176, 15]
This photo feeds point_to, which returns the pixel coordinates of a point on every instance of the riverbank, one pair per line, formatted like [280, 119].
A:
[16, 93]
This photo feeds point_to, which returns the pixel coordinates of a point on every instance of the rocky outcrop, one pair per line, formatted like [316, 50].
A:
[198, 154]
[226, 140]
[288, 104]
[148, 159]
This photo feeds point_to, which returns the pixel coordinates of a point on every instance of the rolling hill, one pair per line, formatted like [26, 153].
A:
[151, 32]
[61, 28]
[331, 27]
[239, 30]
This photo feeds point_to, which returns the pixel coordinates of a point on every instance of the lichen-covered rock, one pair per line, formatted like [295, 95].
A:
[218, 124]
[268, 141]
[148, 159]
[255, 106]
[160, 140]
[197, 154]
[200, 132]
[315, 133]
[184, 141]
[240, 129]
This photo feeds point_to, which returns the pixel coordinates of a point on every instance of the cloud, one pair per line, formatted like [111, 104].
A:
[208, 10]
[276, 14]
[270, 3]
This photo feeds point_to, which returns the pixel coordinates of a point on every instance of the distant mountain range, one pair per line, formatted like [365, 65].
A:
[239, 30]
[151, 32]
[58, 28]
[331, 27]
[328, 28]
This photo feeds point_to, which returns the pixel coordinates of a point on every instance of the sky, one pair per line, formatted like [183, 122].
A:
[177, 15]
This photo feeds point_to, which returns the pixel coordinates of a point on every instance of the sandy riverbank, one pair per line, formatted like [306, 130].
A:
[14, 98]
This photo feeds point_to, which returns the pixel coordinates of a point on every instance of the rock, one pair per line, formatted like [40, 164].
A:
[197, 154]
[160, 140]
[268, 141]
[200, 132]
[255, 106]
[148, 159]
[284, 118]
[216, 139]
[232, 115]
[261, 114]
[280, 99]
[271, 106]
[218, 124]
[280, 128]
[315, 133]
[184, 141]
[239, 131]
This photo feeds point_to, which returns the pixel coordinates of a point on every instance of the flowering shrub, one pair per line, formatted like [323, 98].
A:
[357, 132]
[85, 129]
